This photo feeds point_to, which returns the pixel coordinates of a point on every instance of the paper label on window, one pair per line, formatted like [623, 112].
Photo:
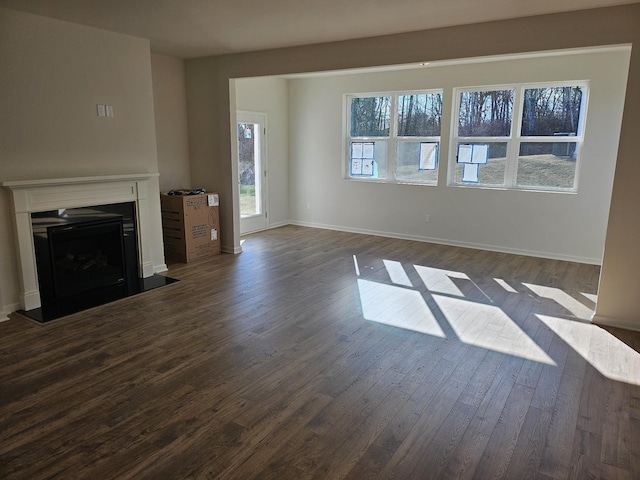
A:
[367, 167]
[470, 172]
[367, 150]
[356, 166]
[464, 153]
[428, 156]
[214, 234]
[480, 154]
[356, 150]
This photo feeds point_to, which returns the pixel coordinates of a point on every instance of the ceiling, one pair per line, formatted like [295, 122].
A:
[195, 28]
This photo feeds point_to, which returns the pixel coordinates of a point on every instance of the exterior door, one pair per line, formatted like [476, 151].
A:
[252, 171]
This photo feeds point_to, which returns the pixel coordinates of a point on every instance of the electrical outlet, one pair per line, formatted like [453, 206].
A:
[427, 218]
[101, 110]
[109, 110]
[308, 206]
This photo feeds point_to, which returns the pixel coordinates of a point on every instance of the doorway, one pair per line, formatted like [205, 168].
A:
[252, 171]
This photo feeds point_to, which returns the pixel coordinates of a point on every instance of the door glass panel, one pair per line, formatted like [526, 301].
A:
[249, 169]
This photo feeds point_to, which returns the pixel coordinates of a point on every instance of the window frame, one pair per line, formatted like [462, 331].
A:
[515, 138]
[392, 140]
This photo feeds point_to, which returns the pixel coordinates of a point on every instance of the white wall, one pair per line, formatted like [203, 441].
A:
[556, 225]
[52, 75]
[172, 136]
[270, 95]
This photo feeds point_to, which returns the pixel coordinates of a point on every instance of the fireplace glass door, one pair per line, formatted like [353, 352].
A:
[81, 262]
[86, 256]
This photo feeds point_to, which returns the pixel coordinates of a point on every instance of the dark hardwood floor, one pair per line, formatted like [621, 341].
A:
[320, 354]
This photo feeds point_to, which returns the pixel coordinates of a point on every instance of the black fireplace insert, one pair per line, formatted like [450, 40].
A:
[82, 261]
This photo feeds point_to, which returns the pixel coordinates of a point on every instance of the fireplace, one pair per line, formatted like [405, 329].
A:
[47, 204]
[81, 257]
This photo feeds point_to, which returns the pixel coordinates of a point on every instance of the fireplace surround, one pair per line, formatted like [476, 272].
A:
[34, 196]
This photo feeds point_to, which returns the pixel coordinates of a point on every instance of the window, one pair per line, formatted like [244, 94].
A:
[525, 137]
[394, 137]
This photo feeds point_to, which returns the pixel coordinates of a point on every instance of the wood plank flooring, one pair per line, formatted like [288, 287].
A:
[321, 354]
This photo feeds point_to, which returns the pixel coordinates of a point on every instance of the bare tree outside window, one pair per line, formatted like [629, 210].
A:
[419, 115]
[370, 116]
[551, 111]
[485, 113]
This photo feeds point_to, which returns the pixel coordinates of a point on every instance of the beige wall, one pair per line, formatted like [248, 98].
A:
[209, 111]
[270, 95]
[170, 105]
[52, 75]
[619, 291]
[210, 129]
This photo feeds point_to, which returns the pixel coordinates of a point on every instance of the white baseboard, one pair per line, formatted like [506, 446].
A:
[7, 309]
[278, 225]
[453, 243]
[615, 322]
[233, 250]
[160, 268]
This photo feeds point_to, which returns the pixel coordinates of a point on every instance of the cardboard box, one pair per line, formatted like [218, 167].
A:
[190, 226]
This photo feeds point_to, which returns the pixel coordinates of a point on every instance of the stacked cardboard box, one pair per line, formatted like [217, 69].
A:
[190, 226]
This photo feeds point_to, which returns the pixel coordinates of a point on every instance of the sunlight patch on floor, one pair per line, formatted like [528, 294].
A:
[505, 285]
[356, 266]
[573, 306]
[452, 313]
[397, 273]
[610, 356]
[440, 281]
[397, 306]
[590, 296]
[487, 326]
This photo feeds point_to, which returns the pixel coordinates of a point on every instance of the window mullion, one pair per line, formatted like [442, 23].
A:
[454, 139]
[513, 143]
[393, 135]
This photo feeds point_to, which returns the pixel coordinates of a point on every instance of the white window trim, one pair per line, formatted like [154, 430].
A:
[392, 140]
[514, 140]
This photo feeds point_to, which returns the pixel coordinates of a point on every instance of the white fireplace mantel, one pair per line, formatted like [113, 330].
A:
[50, 194]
